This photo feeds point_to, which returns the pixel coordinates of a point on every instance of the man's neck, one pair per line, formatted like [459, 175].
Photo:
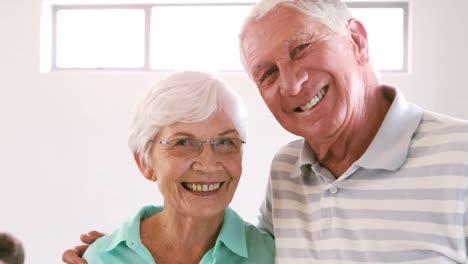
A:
[337, 154]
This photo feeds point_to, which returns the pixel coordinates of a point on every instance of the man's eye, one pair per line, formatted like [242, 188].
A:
[268, 74]
[298, 49]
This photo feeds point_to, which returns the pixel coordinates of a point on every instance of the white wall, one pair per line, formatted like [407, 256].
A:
[64, 163]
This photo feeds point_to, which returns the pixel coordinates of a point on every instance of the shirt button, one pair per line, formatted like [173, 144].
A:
[333, 189]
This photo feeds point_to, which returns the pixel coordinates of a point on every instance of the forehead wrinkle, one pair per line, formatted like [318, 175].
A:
[250, 57]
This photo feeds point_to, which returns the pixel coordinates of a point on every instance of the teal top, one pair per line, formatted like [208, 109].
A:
[238, 242]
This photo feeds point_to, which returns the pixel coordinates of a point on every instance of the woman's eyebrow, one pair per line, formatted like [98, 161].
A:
[185, 134]
[228, 132]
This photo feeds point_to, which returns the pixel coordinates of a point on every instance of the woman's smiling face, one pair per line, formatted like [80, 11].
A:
[200, 185]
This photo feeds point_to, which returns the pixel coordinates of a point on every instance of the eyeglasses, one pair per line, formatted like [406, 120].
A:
[191, 147]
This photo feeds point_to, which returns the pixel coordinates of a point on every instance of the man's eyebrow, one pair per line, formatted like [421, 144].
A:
[298, 35]
[257, 69]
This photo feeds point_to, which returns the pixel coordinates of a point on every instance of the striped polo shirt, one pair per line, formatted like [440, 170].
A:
[403, 201]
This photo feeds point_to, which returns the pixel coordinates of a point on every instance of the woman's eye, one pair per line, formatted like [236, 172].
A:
[225, 141]
[182, 142]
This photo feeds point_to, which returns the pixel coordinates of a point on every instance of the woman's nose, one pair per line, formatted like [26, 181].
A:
[206, 158]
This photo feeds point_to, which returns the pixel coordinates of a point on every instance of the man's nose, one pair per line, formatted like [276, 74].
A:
[292, 77]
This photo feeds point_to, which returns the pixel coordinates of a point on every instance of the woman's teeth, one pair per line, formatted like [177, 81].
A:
[202, 187]
[314, 100]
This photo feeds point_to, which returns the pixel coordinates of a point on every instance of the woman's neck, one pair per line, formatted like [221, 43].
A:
[172, 237]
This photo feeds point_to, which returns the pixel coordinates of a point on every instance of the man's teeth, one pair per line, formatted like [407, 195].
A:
[313, 101]
[202, 187]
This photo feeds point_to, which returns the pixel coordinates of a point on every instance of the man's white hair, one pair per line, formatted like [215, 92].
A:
[332, 13]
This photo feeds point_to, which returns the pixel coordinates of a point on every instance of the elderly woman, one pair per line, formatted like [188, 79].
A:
[187, 136]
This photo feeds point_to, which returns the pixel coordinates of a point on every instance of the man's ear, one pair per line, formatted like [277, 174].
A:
[359, 36]
[146, 170]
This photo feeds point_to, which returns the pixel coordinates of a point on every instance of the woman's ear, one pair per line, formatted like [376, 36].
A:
[359, 36]
[146, 170]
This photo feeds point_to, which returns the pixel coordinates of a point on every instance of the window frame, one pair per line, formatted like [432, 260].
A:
[147, 8]
[56, 8]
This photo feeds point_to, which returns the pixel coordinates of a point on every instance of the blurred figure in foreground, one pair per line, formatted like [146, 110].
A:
[11, 249]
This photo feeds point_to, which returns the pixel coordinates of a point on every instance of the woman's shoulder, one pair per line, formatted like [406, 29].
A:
[251, 231]
[120, 240]
[260, 244]
[103, 245]
[257, 237]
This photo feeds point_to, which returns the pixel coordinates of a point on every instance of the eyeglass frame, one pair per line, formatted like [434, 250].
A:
[200, 145]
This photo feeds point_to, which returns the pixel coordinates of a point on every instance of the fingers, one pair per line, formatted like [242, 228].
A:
[73, 256]
[90, 237]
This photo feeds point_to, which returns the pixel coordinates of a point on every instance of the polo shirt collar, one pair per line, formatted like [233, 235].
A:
[307, 157]
[389, 148]
[232, 234]
[130, 232]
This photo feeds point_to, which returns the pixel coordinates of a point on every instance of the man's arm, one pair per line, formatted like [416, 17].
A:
[265, 220]
[73, 255]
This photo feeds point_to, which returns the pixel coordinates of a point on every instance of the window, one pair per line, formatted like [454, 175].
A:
[387, 29]
[180, 35]
[206, 40]
[100, 38]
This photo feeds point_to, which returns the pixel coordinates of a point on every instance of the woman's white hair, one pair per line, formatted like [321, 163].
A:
[332, 13]
[186, 97]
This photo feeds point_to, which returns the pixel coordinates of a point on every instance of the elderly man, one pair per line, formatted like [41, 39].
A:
[375, 179]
